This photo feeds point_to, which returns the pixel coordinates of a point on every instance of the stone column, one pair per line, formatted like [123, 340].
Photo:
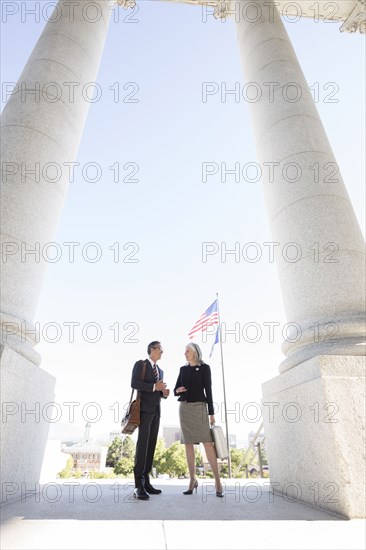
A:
[42, 125]
[322, 272]
[320, 260]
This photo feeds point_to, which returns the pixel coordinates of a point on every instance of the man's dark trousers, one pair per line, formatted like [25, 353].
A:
[146, 443]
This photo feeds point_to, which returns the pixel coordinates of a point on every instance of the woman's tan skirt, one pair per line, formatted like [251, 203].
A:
[194, 422]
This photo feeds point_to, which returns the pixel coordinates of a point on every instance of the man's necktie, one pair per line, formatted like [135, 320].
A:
[156, 373]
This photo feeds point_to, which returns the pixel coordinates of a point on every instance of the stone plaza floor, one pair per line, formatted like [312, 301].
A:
[102, 514]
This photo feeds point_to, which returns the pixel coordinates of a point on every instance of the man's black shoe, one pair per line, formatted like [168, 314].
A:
[151, 490]
[140, 494]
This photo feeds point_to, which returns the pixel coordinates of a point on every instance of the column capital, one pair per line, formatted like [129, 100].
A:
[125, 4]
[356, 21]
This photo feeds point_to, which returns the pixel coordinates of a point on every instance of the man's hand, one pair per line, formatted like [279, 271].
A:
[181, 389]
[166, 392]
[160, 386]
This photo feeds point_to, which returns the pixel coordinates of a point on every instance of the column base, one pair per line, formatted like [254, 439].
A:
[24, 387]
[314, 423]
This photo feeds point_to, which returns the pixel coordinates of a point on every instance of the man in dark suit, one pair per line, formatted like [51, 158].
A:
[152, 389]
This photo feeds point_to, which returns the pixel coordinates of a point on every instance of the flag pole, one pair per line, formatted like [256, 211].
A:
[223, 384]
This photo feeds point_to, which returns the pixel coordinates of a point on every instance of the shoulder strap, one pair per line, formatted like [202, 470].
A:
[133, 389]
[142, 378]
[143, 371]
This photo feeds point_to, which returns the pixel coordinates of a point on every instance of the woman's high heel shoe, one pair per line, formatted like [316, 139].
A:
[219, 494]
[190, 491]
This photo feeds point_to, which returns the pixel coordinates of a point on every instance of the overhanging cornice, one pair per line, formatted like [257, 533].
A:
[350, 13]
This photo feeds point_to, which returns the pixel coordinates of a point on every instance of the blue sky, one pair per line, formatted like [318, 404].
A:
[169, 212]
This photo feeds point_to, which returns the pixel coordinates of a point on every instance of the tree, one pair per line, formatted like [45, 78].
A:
[198, 457]
[159, 457]
[237, 456]
[124, 467]
[121, 456]
[114, 452]
[128, 447]
[120, 449]
[66, 472]
[176, 463]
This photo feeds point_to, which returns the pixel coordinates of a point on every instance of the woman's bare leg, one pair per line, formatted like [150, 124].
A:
[191, 463]
[212, 458]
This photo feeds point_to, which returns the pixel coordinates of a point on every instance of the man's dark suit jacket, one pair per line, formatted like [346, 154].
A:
[150, 400]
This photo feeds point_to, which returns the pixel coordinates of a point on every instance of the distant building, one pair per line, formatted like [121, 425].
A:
[171, 434]
[87, 454]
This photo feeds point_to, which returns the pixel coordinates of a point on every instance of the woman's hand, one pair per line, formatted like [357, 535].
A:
[212, 419]
[181, 389]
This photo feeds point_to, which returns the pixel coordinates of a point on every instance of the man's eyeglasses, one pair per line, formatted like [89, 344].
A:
[158, 347]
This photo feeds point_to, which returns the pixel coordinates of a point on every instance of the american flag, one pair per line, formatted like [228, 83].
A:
[208, 318]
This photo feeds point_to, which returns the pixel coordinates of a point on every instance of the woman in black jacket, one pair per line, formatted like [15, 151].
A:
[195, 395]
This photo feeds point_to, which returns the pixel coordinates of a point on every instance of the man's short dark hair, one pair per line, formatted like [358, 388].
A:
[152, 345]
